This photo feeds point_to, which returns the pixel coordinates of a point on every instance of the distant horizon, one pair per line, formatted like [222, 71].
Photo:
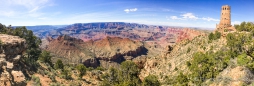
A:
[182, 13]
[121, 22]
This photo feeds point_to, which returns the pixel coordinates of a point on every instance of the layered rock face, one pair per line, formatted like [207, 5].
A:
[65, 46]
[98, 31]
[188, 34]
[159, 35]
[92, 53]
[11, 49]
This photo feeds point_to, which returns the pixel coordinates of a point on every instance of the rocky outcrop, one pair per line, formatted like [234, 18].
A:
[234, 77]
[140, 61]
[11, 49]
[91, 62]
[108, 64]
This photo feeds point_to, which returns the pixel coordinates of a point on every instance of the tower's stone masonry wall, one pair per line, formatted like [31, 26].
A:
[225, 21]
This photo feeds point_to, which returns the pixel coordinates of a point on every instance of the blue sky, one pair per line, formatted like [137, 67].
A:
[186, 13]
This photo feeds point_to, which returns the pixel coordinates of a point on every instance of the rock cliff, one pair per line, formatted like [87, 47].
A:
[11, 49]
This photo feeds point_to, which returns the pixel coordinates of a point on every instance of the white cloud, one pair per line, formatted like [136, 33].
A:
[127, 10]
[7, 13]
[174, 17]
[23, 8]
[30, 4]
[135, 9]
[43, 18]
[210, 19]
[130, 10]
[149, 15]
[167, 10]
[34, 9]
[235, 22]
[189, 16]
[35, 14]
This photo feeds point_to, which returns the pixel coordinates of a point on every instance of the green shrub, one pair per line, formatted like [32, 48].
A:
[82, 70]
[45, 57]
[52, 77]
[206, 66]
[90, 68]
[36, 81]
[214, 36]
[242, 59]
[188, 50]
[176, 69]
[217, 35]
[55, 84]
[169, 65]
[188, 63]
[66, 74]
[151, 80]
[249, 26]
[100, 68]
[59, 64]
[127, 75]
[182, 80]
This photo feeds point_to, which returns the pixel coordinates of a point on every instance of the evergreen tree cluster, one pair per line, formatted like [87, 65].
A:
[241, 46]
[82, 70]
[214, 36]
[206, 66]
[127, 75]
[245, 26]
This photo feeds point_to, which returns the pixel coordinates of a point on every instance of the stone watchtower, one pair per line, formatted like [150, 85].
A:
[225, 20]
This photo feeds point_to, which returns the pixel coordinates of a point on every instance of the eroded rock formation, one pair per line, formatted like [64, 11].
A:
[11, 49]
[92, 53]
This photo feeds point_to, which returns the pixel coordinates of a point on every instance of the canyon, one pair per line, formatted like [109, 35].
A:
[152, 34]
[110, 43]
